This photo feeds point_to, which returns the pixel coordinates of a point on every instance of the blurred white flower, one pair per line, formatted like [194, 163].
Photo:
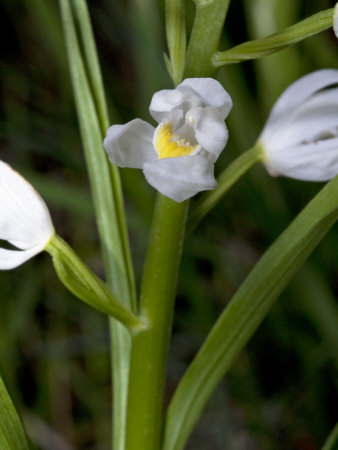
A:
[300, 137]
[335, 19]
[178, 156]
[24, 219]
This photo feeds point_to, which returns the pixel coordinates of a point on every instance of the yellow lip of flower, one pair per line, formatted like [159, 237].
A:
[170, 145]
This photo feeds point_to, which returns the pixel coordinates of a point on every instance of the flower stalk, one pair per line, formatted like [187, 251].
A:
[150, 346]
[205, 36]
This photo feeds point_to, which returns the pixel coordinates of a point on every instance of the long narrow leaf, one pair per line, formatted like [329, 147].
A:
[246, 311]
[276, 42]
[332, 441]
[108, 213]
[12, 435]
[94, 76]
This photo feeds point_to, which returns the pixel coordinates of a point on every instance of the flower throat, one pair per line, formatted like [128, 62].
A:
[169, 145]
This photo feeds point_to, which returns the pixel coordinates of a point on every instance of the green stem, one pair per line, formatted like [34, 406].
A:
[150, 346]
[276, 42]
[205, 36]
[226, 180]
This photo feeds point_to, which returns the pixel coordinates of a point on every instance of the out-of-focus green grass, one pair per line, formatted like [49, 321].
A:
[282, 391]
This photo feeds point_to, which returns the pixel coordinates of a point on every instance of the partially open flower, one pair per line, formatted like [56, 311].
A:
[335, 19]
[300, 138]
[178, 156]
[24, 219]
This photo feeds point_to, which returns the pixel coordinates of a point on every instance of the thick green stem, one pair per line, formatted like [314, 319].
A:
[150, 347]
[226, 180]
[205, 36]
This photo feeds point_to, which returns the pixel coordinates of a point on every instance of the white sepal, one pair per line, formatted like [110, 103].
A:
[24, 219]
[122, 140]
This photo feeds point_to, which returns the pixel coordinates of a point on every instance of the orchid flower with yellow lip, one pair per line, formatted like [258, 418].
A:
[25, 222]
[300, 137]
[178, 156]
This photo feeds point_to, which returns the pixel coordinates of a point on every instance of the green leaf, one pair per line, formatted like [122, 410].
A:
[85, 285]
[246, 311]
[12, 435]
[176, 38]
[276, 42]
[331, 442]
[92, 62]
[107, 212]
[107, 198]
[94, 81]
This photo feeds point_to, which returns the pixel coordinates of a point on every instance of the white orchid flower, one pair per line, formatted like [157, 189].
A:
[300, 138]
[178, 156]
[335, 19]
[24, 219]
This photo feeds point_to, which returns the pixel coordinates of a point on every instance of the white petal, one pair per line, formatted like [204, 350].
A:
[9, 259]
[211, 131]
[130, 145]
[211, 93]
[335, 20]
[24, 217]
[315, 117]
[312, 162]
[167, 100]
[181, 178]
[295, 95]
[191, 93]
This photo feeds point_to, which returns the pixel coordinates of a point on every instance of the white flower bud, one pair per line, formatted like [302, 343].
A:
[25, 222]
[300, 137]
